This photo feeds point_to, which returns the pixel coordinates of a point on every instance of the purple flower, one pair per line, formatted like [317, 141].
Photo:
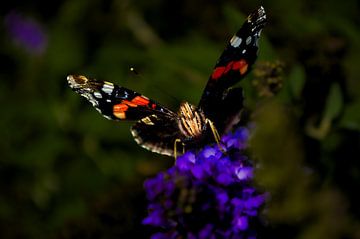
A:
[26, 33]
[244, 172]
[206, 194]
[241, 223]
[169, 235]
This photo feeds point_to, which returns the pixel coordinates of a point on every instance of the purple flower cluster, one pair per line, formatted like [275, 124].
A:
[26, 33]
[206, 194]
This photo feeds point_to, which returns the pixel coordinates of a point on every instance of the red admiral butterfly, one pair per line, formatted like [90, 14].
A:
[159, 129]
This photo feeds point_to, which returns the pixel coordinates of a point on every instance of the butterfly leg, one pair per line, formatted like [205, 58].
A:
[175, 147]
[215, 133]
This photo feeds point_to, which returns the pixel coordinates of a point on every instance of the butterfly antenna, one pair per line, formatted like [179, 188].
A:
[175, 100]
[134, 71]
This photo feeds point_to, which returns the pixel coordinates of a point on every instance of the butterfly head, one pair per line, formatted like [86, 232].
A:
[192, 121]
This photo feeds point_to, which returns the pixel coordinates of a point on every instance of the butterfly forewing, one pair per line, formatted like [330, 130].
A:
[232, 66]
[115, 102]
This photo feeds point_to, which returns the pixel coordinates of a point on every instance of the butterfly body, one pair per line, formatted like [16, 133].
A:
[158, 128]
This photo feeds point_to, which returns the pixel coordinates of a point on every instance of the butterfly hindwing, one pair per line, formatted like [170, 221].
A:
[230, 106]
[157, 133]
[115, 102]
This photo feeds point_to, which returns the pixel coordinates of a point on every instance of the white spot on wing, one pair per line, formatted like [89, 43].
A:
[108, 88]
[93, 102]
[90, 98]
[248, 40]
[97, 94]
[235, 41]
[147, 121]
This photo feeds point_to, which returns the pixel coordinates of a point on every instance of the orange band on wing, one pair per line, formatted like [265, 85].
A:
[218, 72]
[229, 67]
[241, 65]
[244, 69]
[120, 115]
[140, 100]
[120, 108]
[129, 103]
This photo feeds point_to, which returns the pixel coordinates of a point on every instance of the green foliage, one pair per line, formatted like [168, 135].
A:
[351, 117]
[296, 81]
[334, 103]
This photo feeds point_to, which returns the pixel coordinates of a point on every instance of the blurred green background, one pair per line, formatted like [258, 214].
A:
[66, 172]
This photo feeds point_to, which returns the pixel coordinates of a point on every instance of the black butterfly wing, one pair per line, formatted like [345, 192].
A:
[156, 128]
[115, 102]
[157, 133]
[219, 103]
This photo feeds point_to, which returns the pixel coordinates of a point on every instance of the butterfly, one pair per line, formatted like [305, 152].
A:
[160, 129]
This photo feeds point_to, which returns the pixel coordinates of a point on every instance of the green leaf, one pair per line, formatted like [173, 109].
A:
[296, 81]
[351, 117]
[334, 102]
[233, 16]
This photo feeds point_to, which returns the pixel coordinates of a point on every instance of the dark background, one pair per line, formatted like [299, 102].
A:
[66, 172]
